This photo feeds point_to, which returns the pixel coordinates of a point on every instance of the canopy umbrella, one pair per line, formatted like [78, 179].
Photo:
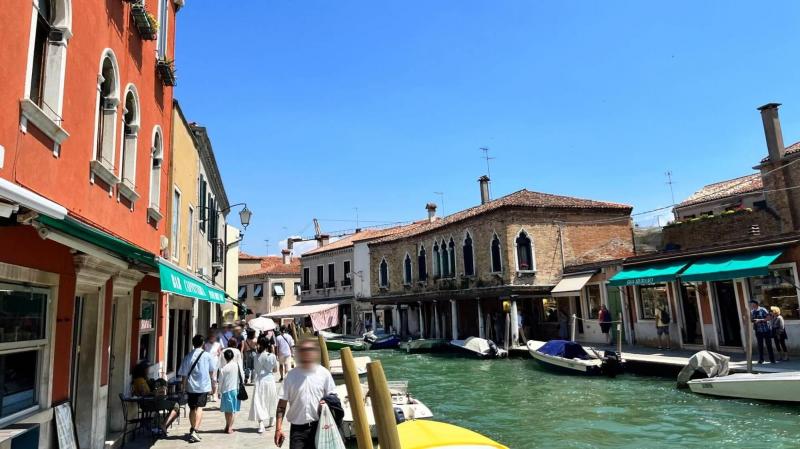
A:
[262, 324]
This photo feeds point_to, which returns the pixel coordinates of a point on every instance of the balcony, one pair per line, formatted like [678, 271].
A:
[305, 288]
[346, 282]
[319, 285]
[330, 284]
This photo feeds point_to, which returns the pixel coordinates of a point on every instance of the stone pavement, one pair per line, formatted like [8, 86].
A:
[245, 432]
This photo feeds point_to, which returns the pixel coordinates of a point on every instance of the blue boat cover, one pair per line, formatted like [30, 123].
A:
[565, 349]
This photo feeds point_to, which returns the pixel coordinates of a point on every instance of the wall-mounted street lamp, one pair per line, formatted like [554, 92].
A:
[244, 215]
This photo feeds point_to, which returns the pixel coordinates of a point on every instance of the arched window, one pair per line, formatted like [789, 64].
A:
[383, 275]
[497, 264]
[407, 270]
[422, 266]
[130, 135]
[451, 254]
[107, 100]
[156, 161]
[469, 261]
[524, 252]
[445, 260]
[437, 261]
[44, 84]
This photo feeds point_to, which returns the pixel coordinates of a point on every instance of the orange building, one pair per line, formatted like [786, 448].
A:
[85, 117]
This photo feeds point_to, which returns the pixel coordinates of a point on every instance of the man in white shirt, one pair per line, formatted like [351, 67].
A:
[285, 343]
[196, 370]
[303, 391]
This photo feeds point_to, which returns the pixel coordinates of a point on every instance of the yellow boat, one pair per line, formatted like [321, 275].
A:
[425, 434]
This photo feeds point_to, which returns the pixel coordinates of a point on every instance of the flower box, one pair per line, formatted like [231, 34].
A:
[145, 22]
[166, 70]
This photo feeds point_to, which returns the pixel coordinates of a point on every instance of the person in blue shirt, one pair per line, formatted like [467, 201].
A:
[196, 370]
[761, 325]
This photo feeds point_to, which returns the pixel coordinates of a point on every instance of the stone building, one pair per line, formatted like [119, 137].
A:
[449, 277]
[268, 284]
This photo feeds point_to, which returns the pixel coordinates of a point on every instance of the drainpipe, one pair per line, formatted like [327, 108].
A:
[561, 244]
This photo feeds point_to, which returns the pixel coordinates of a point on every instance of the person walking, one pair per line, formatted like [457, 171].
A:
[604, 318]
[214, 348]
[249, 354]
[303, 392]
[265, 392]
[229, 377]
[196, 370]
[285, 345]
[761, 326]
[778, 326]
[662, 325]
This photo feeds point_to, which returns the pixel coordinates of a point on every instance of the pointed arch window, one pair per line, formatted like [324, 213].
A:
[497, 264]
[383, 274]
[130, 137]
[469, 261]
[524, 252]
[106, 120]
[445, 260]
[437, 261]
[422, 267]
[451, 255]
[156, 161]
[407, 270]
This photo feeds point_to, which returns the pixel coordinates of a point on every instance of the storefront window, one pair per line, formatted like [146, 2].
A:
[650, 297]
[593, 300]
[23, 312]
[147, 331]
[777, 289]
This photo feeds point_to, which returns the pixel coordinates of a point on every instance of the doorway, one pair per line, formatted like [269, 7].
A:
[615, 309]
[728, 326]
[691, 327]
[77, 323]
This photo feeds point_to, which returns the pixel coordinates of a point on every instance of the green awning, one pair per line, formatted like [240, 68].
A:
[732, 266]
[175, 280]
[648, 274]
[89, 234]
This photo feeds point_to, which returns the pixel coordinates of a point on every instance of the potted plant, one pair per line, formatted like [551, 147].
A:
[145, 22]
[166, 70]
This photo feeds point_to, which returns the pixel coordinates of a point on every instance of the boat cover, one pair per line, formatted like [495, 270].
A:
[565, 349]
[479, 345]
[709, 363]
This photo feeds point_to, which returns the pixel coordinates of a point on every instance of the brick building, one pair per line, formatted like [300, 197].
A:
[448, 277]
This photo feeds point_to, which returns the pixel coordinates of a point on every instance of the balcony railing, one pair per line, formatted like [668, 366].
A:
[330, 284]
[305, 288]
[319, 285]
[346, 282]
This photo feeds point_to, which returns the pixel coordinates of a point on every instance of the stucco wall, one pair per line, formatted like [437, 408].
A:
[185, 174]
[336, 257]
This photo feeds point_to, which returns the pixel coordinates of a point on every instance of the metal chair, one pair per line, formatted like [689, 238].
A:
[136, 422]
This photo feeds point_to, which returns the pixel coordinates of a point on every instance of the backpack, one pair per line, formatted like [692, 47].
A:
[665, 318]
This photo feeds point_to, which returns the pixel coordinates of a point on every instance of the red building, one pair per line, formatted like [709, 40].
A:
[85, 114]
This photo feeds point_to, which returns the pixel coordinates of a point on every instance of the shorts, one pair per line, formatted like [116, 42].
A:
[662, 330]
[605, 327]
[196, 400]
[284, 359]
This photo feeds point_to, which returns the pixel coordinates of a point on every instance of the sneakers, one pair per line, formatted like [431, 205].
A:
[261, 427]
[194, 437]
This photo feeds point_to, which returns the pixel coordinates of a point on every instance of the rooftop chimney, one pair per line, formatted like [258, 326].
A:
[431, 207]
[772, 131]
[484, 183]
[322, 240]
[287, 256]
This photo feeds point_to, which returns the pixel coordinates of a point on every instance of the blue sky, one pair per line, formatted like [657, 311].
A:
[318, 107]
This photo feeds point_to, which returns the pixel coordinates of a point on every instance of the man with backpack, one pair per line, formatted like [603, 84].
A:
[662, 324]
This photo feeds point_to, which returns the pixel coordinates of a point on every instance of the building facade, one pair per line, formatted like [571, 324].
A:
[268, 284]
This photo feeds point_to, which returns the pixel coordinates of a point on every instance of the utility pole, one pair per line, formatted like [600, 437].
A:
[441, 200]
[670, 182]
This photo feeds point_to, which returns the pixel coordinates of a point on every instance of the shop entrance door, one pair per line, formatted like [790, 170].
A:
[728, 327]
[615, 308]
[691, 327]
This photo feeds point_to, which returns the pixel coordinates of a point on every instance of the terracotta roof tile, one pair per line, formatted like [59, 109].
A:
[367, 234]
[275, 265]
[725, 189]
[244, 256]
[791, 149]
[521, 198]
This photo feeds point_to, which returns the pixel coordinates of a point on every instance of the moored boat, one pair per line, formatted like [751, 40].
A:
[426, 434]
[423, 344]
[780, 387]
[383, 342]
[571, 357]
[355, 344]
[406, 407]
[479, 347]
[361, 366]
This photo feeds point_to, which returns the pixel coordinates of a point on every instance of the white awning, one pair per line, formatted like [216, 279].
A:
[571, 285]
[301, 310]
[31, 200]
[277, 289]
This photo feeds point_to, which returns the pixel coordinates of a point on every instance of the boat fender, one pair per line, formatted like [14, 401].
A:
[399, 416]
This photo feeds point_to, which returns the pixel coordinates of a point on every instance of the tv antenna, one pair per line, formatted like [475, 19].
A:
[487, 158]
[670, 182]
[267, 242]
[441, 200]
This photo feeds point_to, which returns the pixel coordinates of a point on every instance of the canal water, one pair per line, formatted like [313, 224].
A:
[517, 403]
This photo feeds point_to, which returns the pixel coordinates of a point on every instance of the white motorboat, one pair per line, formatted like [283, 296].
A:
[480, 347]
[782, 387]
[410, 407]
[361, 366]
[423, 344]
[571, 357]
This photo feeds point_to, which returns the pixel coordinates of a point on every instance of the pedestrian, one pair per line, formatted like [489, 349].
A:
[196, 370]
[303, 391]
[761, 326]
[233, 346]
[563, 324]
[249, 353]
[778, 326]
[285, 344]
[662, 325]
[229, 377]
[265, 392]
[214, 348]
[604, 318]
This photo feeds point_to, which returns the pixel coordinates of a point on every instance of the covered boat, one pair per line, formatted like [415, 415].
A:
[382, 342]
[425, 434]
[571, 357]
[479, 347]
[406, 406]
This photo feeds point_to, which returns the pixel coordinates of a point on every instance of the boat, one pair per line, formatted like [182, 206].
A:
[715, 380]
[390, 341]
[479, 347]
[571, 357]
[406, 407]
[423, 344]
[355, 344]
[337, 371]
[427, 434]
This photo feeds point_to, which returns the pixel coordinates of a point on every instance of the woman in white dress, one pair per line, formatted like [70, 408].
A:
[265, 393]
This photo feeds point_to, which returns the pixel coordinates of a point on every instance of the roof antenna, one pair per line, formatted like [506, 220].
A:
[441, 200]
[267, 242]
[670, 182]
[487, 158]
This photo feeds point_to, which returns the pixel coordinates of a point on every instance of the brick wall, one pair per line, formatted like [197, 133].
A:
[721, 229]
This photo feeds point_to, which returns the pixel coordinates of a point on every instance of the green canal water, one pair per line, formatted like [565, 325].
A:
[517, 403]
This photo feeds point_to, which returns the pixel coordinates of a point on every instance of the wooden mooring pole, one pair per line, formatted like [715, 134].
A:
[323, 351]
[572, 328]
[382, 407]
[356, 399]
[619, 336]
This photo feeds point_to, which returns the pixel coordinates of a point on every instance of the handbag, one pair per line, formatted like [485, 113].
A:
[242, 395]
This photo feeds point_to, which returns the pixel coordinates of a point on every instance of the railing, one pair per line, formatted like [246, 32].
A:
[305, 288]
[330, 284]
[346, 282]
[319, 285]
